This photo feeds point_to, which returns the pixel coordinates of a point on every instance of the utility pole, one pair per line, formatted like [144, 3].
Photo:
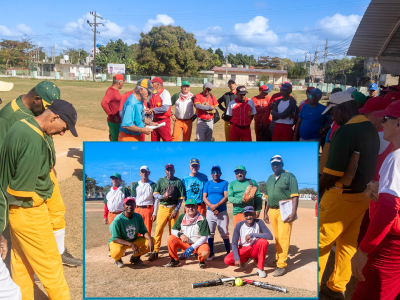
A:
[54, 54]
[45, 56]
[325, 55]
[226, 64]
[315, 62]
[305, 60]
[95, 24]
[309, 74]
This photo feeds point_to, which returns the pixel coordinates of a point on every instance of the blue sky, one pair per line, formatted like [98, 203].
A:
[286, 29]
[101, 159]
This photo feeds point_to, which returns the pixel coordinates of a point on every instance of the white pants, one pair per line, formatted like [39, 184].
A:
[204, 130]
[220, 221]
[8, 289]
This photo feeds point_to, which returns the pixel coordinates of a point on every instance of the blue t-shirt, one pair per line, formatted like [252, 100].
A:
[132, 114]
[312, 121]
[215, 191]
[194, 186]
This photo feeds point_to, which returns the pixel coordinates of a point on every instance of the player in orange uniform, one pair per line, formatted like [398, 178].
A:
[261, 102]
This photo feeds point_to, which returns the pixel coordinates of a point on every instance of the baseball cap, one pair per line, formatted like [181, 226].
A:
[190, 201]
[248, 209]
[283, 84]
[6, 86]
[359, 97]
[117, 175]
[158, 80]
[350, 90]
[392, 88]
[373, 87]
[264, 89]
[215, 167]
[241, 90]
[240, 167]
[286, 86]
[393, 96]
[146, 84]
[144, 168]
[129, 199]
[169, 166]
[194, 161]
[316, 92]
[276, 158]
[337, 99]
[66, 112]
[335, 90]
[48, 91]
[233, 80]
[310, 88]
[186, 83]
[207, 85]
[393, 109]
[375, 104]
[119, 77]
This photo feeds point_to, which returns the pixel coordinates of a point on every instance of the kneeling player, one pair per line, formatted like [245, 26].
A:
[124, 235]
[253, 234]
[189, 233]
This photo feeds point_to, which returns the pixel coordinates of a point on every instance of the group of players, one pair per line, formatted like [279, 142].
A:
[31, 207]
[130, 213]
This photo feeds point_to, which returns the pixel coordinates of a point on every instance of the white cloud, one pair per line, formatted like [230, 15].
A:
[20, 30]
[24, 29]
[339, 25]
[255, 33]
[161, 19]
[104, 176]
[212, 36]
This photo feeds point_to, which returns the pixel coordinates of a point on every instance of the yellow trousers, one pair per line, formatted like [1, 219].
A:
[56, 206]
[34, 250]
[163, 217]
[340, 217]
[227, 131]
[282, 233]
[117, 250]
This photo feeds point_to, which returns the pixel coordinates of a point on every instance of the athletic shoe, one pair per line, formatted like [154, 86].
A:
[211, 257]
[119, 263]
[326, 293]
[202, 265]
[136, 261]
[153, 256]
[244, 266]
[261, 273]
[68, 259]
[147, 254]
[279, 272]
[172, 263]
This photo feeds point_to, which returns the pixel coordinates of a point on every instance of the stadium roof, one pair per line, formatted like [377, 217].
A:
[247, 71]
[378, 35]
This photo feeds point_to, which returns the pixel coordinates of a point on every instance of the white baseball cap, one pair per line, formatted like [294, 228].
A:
[145, 168]
[350, 90]
[336, 99]
[276, 158]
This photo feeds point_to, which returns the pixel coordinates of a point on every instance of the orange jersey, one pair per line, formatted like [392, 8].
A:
[200, 99]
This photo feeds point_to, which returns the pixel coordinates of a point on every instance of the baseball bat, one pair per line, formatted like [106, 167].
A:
[211, 282]
[249, 275]
[266, 285]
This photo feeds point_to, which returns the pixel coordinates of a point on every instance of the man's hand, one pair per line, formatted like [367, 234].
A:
[150, 245]
[184, 238]
[153, 124]
[153, 218]
[248, 238]
[105, 220]
[215, 212]
[173, 215]
[238, 263]
[266, 218]
[291, 218]
[357, 264]
[213, 207]
[147, 130]
[135, 249]
[257, 214]
[173, 118]
[188, 252]
[3, 247]
[117, 119]
[149, 111]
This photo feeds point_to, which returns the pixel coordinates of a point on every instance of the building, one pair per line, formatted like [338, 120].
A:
[247, 76]
[66, 70]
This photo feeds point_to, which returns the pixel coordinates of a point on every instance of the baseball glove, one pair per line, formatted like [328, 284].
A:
[210, 111]
[372, 190]
[169, 191]
[250, 192]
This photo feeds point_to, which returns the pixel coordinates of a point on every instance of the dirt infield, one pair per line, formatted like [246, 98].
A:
[301, 280]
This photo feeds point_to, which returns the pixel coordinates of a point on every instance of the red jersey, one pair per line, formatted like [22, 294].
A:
[160, 99]
[110, 104]
[200, 99]
[241, 112]
[261, 104]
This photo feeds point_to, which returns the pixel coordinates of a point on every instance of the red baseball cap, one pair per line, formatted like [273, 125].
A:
[375, 104]
[158, 80]
[391, 110]
[393, 96]
[264, 88]
[119, 77]
[129, 198]
[169, 166]
[392, 87]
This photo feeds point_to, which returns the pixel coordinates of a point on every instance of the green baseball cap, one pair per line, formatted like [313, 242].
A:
[359, 97]
[190, 201]
[116, 175]
[240, 167]
[186, 83]
[48, 91]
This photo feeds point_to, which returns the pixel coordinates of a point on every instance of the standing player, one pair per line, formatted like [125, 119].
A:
[110, 104]
[236, 190]
[281, 185]
[261, 103]
[160, 109]
[225, 100]
[194, 184]
[241, 112]
[184, 113]
[171, 192]
[25, 185]
[215, 196]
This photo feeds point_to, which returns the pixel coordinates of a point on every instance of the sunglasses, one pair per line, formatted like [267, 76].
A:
[216, 172]
[385, 118]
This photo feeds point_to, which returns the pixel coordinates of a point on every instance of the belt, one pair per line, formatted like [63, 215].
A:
[144, 206]
[184, 119]
[393, 236]
[168, 206]
[241, 127]
[115, 212]
[274, 207]
[206, 120]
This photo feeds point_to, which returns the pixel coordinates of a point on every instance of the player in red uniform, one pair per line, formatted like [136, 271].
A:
[261, 103]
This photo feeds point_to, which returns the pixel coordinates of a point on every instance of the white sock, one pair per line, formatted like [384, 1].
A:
[60, 235]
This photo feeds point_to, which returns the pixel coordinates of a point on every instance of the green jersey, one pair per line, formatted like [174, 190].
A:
[193, 231]
[179, 190]
[282, 188]
[127, 229]
[125, 192]
[236, 190]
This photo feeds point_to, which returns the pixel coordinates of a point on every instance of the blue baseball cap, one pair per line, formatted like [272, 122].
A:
[194, 161]
[286, 86]
[373, 87]
[316, 92]
[248, 209]
[216, 167]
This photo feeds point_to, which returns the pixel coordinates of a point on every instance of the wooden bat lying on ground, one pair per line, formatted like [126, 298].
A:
[266, 285]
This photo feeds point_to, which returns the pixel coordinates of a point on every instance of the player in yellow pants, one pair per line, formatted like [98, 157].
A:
[163, 217]
[118, 250]
[282, 233]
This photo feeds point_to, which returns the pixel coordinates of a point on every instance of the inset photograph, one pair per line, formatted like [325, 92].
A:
[223, 220]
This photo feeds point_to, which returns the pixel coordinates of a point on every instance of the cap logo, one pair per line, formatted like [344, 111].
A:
[242, 89]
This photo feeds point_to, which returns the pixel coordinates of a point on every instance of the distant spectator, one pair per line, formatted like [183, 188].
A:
[372, 90]
[223, 103]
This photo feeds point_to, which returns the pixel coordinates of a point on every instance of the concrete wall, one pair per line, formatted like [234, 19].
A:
[244, 79]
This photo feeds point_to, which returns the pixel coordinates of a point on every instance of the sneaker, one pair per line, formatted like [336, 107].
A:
[326, 293]
[279, 272]
[136, 261]
[211, 257]
[36, 278]
[202, 265]
[244, 266]
[119, 263]
[172, 263]
[261, 273]
[153, 256]
[147, 254]
[68, 259]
